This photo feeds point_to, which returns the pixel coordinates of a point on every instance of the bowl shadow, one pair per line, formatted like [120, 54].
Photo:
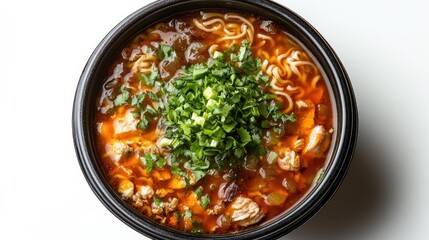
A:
[361, 200]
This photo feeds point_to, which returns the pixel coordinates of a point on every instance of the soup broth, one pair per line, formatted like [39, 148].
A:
[212, 122]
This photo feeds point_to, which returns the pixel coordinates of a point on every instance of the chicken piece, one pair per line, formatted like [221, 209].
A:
[163, 192]
[126, 124]
[317, 142]
[246, 212]
[290, 161]
[116, 149]
[143, 195]
[298, 145]
[126, 188]
[171, 205]
[301, 104]
[156, 209]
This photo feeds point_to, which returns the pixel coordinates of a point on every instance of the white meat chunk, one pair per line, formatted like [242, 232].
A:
[116, 149]
[126, 188]
[246, 212]
[146, 192]
[290, 161]
[143, 195]
[171, 205]
[317, 142]
[125, 124]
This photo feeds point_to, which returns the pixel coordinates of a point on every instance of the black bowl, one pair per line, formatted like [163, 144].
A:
[345, 115]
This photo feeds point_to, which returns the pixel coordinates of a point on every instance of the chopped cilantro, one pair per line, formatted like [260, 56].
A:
[161, 162]
[215, 112]
[196, 227]
[165, 52]
[149, 160]
[199, 192]
[188, 213]
[244, 135]
[123, 97]
[205, 201]
[143, 124]
[149, 79]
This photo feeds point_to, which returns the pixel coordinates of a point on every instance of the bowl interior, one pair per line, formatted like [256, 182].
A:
[345, 116]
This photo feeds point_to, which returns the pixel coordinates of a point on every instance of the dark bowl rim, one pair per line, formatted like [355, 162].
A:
[320, 194]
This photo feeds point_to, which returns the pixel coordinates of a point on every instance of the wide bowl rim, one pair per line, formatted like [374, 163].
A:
[340, 160]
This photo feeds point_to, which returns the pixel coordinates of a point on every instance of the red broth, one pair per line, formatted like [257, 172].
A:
[226, 199]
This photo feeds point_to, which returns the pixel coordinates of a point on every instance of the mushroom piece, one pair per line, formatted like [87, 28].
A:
[227, 191]
[317, 143]
[290, 161]
[246, 212]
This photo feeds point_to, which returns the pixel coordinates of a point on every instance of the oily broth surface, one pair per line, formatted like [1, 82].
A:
[268, 43]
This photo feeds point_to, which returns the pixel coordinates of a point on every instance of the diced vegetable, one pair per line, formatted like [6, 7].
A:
[276, 198]
[272, 157]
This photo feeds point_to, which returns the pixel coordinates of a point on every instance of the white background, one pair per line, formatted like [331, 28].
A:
[44, 46]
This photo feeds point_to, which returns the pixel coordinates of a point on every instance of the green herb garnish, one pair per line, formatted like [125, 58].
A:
[205, 201]
[123, 97]
[199, 192]
[214, 112]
